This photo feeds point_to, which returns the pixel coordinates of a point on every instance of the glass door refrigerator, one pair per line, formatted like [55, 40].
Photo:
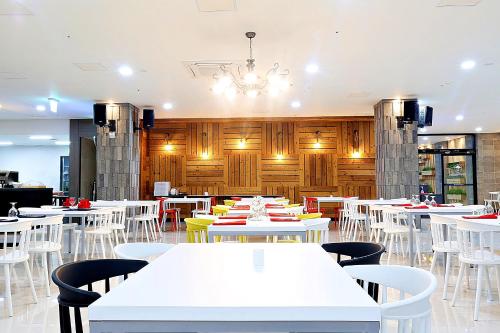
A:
[447, 168]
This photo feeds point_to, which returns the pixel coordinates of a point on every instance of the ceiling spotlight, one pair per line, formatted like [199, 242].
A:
[296, 104]
[41, 108]
[479, 129]
[426, 138]
[459, 117]
[0, 106]
[168, 106]
[125, 70]
[6, 143]
[468, 64]
[423, 130]
[53, 102]
[62, 143]
[312, 68]
[40, 137]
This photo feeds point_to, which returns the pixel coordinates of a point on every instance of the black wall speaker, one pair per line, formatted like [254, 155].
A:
[100, 114]
[428, 115]
[410, 111]
[148, 118]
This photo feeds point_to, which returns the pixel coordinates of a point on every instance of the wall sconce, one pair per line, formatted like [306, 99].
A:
[168, 146]
[243, 142]
[204, 145]
[279, 155]
[317, 144]
[355, 144]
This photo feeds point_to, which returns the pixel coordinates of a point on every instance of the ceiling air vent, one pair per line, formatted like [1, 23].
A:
[207, 69]
[90, 66]
[457, 3]
[216, 5]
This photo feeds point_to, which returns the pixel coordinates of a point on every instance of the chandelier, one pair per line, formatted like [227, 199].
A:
[248, 82]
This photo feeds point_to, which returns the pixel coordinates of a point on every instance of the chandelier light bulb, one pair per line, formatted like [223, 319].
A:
[224, 81]
[250, 78]
[274, 79]
[230, 93]
[284, 84]
[218, 89]
[274, 91]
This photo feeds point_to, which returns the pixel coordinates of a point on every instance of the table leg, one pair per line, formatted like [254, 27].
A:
[136, 226]
[303, 237]
[211, 237]
[367, 221]
[411, 258]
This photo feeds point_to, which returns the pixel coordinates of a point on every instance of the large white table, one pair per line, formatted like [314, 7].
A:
[238, 288]
[414, 215]
[258, 228]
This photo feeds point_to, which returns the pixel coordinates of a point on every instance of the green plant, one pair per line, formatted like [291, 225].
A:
[427, 168]
[457, 191]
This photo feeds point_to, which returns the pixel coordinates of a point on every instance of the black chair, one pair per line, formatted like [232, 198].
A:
[70, 277]
[359, 252]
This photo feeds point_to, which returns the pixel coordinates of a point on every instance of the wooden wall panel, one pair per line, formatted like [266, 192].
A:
[278, 157]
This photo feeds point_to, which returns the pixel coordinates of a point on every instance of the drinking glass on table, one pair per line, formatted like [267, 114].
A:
[427, 202]
[433, 201]
[13, 212]
[489, 207]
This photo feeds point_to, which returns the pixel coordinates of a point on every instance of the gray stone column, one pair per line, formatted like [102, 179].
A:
[488, 165]
[118, 159]
[396, 161]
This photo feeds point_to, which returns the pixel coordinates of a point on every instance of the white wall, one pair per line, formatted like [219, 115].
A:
[39, 163]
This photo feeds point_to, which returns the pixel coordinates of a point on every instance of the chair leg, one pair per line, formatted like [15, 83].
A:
[45, 272]
[447, 258]
[479, 287]
[59, 258]
[103, 248]
[77, 245]
[433, 262]
[459, 283]
[8, 293]
[417, 247]
[110, 240]
[391, 243]
[497, 273]
[489, 296]
[124, 238]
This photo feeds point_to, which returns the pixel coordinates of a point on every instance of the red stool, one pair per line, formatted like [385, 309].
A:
[312, 206]
[174, 218]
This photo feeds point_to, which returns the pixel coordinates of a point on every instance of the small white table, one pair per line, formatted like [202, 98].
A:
[416, 214]
[258, 228]
[231, 287]
[332, 200]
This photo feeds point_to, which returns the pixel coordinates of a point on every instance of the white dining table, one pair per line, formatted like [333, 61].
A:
[258, 228]
[331, 200]
[415, 215]
[268, 210]
[228, 287]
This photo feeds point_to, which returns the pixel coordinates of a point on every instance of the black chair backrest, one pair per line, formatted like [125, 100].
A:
[70, 277]
[360, 253]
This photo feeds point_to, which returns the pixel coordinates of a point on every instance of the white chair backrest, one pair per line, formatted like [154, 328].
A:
[391, 218]
[317, 230]
[206, 204]
[119, 215]
[100, 218]
[145, 251]
[155, 208]
[415, 282]
[476, 241]
[17, 235]
[295, 210]
[375, 214]
[443, 231]
[46, 232]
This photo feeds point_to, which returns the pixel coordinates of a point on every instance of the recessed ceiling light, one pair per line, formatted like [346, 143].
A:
[40, 108]
[295, 104]
[423, 129]
[468, 64]
[459, 117]
[6, 143]
[479, 129]
[40, 137]
[53, 103]
[62, 143]
[447, 138]
[168, 106]
[0, 106]
[312, 68]
[125, 70]
[426, 138]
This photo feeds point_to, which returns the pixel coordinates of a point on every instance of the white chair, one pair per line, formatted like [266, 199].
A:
[295, 210]
[476, 243]
[46, 238]
[414, 311]
[444, 240]
[95, 227]
[205, 207]
[141, 251]
[356, 219]
[16, 238]
[146, 220]
[317, 230]
[395, 229]
[117, 224]
[376, 222]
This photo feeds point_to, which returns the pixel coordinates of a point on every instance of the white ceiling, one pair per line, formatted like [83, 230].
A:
[383, 49]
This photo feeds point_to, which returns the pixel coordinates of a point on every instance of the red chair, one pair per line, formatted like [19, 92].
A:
[213, 202]
[172, 212]
[236, 198]
[312, 206]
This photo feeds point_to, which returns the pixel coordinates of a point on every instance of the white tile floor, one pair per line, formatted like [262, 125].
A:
[43, 317]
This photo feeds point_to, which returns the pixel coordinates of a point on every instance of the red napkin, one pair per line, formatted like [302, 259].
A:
[418, 207]
[240, 208]
[236, 198]
[66, 203]
[274, 206]
[234, 217]
[402, 205]
[485, 216]
[347, 197]
[284, 220]
[84, 203]
[279, 214]
[230, 223]
[443, 205]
